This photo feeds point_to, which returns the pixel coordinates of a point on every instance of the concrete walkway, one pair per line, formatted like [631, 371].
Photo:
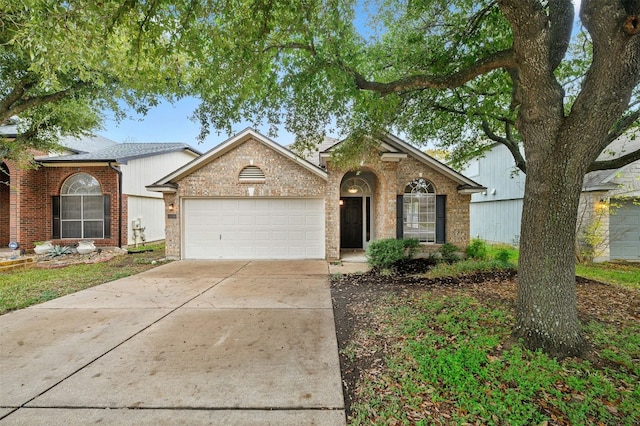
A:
[191, 342]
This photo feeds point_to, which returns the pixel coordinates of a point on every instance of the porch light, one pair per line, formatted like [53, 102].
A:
[341, 202]
[352, 190]
[171, 206]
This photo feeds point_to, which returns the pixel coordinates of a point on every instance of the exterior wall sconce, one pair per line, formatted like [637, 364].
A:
[171, 207]
[341, 202]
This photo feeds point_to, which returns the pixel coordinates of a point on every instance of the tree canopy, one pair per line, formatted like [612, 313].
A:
[62, 64]
[466, 73]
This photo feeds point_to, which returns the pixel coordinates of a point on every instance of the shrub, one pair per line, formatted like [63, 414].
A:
[476, 250]
[384, 253]
[503, 255]
[448, 253]
[57, 250]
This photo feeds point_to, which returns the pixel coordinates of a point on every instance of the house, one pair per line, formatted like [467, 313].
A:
[90, 190]
[609, 204]
[251, 198]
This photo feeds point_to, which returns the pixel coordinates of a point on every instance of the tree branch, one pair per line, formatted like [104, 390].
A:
[615, 163]
[11, 98]
[502, 59]
[561, 24]
[36, 101]
[621, 126]
[511, 145]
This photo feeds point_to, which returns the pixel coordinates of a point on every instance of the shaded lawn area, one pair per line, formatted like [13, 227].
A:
[419, 350]
[26, 287]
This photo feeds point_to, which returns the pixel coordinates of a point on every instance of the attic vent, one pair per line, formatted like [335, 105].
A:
[251, 173]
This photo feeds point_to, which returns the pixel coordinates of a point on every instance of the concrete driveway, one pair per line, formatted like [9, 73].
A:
[190, 342]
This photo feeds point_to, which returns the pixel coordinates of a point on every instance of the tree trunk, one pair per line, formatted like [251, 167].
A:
[547, 316]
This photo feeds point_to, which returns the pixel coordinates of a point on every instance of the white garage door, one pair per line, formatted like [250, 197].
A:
[253, 228]
[624, 231]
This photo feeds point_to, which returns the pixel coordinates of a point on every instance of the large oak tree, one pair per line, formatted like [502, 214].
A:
[462, 72]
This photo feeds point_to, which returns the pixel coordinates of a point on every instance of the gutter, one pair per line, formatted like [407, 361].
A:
[119, 172]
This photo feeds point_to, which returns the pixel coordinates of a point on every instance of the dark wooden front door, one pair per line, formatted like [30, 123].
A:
[351, 223]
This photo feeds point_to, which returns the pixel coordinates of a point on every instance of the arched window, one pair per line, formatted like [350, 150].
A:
[355, 186]
[80, 208]
[419, 211]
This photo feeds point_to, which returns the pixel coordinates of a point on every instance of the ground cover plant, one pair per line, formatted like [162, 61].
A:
[416, 348]
[22, 288]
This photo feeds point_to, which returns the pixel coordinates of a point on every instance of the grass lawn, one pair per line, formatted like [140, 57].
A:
[625, 274]
[26, 287]
[446, 359]
[441, 352]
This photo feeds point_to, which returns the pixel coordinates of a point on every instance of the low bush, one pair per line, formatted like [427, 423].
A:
[449, 253]
[502, 255]
[384, 253]
[476, 250]
[468, 266]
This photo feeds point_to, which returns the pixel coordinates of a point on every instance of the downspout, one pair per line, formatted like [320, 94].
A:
[119, 172]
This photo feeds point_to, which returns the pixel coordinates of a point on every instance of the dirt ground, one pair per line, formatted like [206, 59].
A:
[354, 295]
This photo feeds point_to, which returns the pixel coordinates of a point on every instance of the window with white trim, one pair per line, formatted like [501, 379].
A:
[81, 207]
[419, 211]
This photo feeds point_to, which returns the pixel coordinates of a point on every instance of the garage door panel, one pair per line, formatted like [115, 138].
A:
[624, 231]
[253, 228]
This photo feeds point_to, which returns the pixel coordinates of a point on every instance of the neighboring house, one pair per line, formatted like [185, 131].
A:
[609, 204]
[251, 198]
[90, 191]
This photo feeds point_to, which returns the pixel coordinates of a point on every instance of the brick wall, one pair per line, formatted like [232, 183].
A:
[31, 209]
[286, 178]
[457, 208]
[219, 178]
[391, 178]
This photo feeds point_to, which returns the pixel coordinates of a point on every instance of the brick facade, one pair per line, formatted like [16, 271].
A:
[219, 178]
[286, 178]
[29, 208]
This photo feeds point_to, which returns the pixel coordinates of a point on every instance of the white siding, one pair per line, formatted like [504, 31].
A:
[497, 171]
[144, 171]
[146, 204]
[495, 213]
[151, 213]
[496, 222]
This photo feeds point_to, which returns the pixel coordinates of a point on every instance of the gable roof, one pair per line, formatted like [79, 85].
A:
[604, 180]
[394, 147]
[119, 153]
[168, 183]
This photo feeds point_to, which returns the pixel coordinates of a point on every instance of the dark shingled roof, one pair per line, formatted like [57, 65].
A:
[122, 152]
[85, 144]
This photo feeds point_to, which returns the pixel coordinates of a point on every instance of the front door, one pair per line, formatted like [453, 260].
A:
[351, 223]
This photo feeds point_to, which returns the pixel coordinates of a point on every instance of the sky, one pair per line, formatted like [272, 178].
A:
[170, 123]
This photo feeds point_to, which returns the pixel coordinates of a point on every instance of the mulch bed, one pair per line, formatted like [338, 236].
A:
[98, 256]
[354, 296]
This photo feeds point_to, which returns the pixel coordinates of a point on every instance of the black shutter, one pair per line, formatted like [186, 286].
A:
[399, 217]
[55, 216]
[441, 218]
[107, 216]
